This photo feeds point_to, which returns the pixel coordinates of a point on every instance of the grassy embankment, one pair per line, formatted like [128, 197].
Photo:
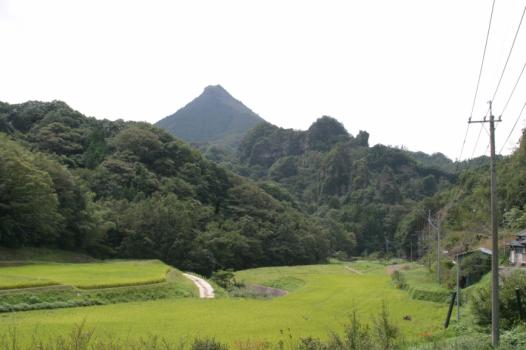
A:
[422, 284]
[320, 300]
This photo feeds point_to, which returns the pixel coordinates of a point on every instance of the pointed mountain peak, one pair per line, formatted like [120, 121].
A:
[215, 116]
[216, 91]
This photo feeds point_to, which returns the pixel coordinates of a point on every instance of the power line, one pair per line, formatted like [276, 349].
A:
[509, 54]
[513, 128]
[480, 132]
[483, 58]
[477, 142]
[463, 145]
[513, 90]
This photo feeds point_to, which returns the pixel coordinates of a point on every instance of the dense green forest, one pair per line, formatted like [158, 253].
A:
[126, 189]
[336, 176]
[381, 194]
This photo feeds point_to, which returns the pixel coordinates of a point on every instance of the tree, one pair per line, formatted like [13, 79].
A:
[28, 202]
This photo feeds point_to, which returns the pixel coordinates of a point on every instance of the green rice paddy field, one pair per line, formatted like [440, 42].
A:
[85, 275]
[319, 301]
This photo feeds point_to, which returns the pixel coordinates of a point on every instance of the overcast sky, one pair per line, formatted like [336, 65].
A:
[404, 70]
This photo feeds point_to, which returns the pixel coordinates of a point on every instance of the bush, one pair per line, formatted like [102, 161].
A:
[208, 344]
[480, 301]
[34, 299]
[398, 280]
[225, 279]
[437, 296]
[340, 255]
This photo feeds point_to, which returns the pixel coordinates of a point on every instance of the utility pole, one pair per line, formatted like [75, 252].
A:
[436, 227]
[438, 251]
[411, 240]
[429, 232]
[494, 231]
[458, 288]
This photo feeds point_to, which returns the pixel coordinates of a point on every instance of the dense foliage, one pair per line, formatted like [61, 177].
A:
[129, 189]
[480, 301]
[363, 192]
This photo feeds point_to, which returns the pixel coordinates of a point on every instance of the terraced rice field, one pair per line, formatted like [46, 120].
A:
[319, 301]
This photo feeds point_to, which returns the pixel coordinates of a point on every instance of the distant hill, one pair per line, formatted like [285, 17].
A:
[214, 117]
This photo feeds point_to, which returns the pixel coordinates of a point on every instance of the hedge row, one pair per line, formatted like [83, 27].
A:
[122, 284]
[48, 305]
[429, 295]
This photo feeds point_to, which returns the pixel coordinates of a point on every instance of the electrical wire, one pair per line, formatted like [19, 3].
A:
[478, 83]
[463, 145]
[513, 128]
[483, 58]
[513, 90]
[480, 132]
[509, 54]
[477, 142]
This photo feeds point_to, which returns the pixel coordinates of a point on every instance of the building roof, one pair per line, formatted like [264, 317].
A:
[485, 251]
[481, 250]
[517, 243]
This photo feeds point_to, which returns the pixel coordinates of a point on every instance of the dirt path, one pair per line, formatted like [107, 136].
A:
[206, 291]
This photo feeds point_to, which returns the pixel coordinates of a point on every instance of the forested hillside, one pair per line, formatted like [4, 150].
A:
[463, 209]
[126, 189]
[334, 175]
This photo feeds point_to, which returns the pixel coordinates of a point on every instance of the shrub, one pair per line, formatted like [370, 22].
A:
[398, 280]
[311, 344]
[33, 299]
[480, 301]
[437, 296]
[208, 344]
[225, 279]
[386, 332]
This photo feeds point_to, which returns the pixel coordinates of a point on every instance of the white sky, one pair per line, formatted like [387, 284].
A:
[403, 70]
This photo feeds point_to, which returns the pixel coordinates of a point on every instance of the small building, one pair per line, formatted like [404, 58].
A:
[472, 265]
[518, 249]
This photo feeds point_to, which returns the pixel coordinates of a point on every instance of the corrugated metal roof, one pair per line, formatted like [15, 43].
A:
[485, 251]
[481, 250]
